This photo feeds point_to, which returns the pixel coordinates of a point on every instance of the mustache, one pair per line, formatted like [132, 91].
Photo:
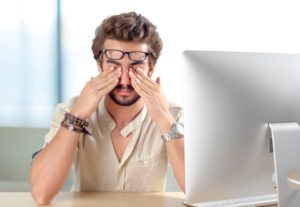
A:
[126, 87]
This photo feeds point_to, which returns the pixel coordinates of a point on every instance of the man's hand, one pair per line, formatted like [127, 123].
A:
[154, 98]
[94, 90]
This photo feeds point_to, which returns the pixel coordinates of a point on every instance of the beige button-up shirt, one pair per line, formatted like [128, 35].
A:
[96, 167]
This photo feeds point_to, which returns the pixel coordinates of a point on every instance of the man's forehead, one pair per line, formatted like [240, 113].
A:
[125, 46]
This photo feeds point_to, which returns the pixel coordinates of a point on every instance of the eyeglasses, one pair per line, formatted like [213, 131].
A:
[114, 54]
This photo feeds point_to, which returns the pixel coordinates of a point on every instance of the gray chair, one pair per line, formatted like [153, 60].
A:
[16, 148]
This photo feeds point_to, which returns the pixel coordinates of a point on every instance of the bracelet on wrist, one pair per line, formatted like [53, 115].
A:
[76, 124]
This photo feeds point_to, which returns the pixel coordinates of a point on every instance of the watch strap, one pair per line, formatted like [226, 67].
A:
[172, 134]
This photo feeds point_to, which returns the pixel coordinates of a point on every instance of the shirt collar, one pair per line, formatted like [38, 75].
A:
[129, 128]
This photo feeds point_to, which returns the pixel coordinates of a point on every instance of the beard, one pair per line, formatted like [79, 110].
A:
[124, 100]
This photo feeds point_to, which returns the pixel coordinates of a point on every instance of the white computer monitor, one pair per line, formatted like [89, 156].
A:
[229, 99]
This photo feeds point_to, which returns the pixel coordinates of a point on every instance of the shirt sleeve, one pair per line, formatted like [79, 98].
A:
[178, 115]
[59, 114]
[177, 112]
[60, 111]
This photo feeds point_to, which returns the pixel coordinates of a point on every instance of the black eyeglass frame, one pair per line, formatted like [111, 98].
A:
[104, 51]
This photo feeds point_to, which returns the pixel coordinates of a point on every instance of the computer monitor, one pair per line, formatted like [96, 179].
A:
[229, 99]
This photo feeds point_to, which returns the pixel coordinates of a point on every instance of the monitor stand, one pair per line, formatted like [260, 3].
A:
[286, 146]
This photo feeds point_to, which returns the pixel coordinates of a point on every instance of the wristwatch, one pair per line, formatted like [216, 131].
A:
[177, 131]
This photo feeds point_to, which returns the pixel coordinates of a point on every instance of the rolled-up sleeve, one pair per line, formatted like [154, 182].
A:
[60, 111]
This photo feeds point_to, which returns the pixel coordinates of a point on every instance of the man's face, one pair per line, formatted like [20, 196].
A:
[124, 94]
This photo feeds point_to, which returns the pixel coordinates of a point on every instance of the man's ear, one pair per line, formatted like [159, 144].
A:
[151, 70]
[99, 66]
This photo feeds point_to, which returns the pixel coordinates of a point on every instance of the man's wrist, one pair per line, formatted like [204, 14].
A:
[74, 123]
[166, 124]
[176, 131]
[79, 114]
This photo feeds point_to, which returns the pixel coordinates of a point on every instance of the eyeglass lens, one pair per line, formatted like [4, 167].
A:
[117, 55]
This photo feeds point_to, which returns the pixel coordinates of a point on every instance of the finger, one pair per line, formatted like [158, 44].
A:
[143, 87]
[107, 80]
[109, 70]
[138, 89]
[108, 88]
[116, 72]
[142, 73]
[105, 83]
[112, 75]
[143, 80]
[104, 73]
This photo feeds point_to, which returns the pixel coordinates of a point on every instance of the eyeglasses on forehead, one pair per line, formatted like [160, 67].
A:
[115, 54]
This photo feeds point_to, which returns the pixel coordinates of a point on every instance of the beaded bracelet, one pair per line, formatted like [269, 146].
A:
[76, 124]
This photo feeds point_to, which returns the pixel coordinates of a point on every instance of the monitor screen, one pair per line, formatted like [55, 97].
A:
[229, 99]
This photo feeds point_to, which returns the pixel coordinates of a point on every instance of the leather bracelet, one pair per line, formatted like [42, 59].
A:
[75, 120]
[71, 127]
[76, 124]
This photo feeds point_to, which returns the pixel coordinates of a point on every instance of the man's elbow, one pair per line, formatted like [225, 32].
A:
[41, 198]
[182, 186]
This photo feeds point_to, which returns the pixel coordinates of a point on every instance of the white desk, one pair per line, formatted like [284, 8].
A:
[103, 199]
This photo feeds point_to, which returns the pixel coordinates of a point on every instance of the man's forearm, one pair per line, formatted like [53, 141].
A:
[51, 166]
[175, 150]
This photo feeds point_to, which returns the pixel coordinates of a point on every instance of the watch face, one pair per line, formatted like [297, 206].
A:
[180, 128]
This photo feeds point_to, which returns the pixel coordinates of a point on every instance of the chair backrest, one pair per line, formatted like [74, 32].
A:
[16, 147]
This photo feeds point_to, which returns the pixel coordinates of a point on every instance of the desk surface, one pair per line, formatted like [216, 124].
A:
[167, 199]
[103, 199]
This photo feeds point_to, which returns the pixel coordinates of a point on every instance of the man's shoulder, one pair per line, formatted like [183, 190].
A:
[175, 109]
[174, 106]
[67, 105]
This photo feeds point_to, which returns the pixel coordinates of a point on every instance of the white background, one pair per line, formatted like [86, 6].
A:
[234, 25]
[28, 81]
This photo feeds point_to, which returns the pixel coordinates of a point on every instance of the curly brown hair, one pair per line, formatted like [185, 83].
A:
[128, 27]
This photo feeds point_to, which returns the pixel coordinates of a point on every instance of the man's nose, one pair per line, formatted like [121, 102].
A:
[125, 79]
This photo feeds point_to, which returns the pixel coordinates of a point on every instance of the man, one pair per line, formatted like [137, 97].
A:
[120, 133]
